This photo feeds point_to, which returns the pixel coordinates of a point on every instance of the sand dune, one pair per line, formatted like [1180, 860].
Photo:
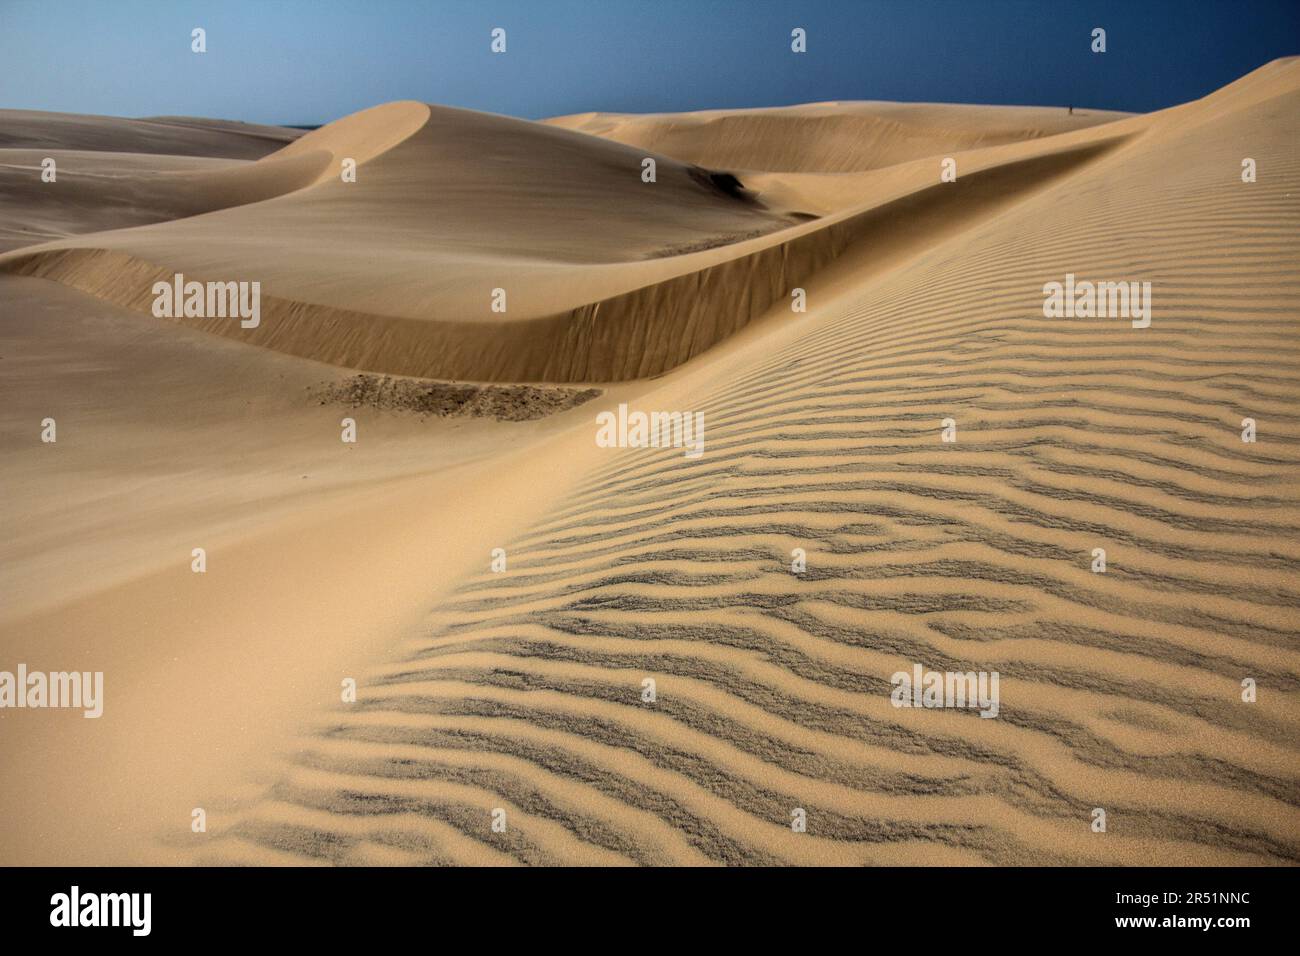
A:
[99, 191]
[1121, 690]
[521, 691]
[159, 135]
[111, 173]
[636, 278]
[419, 301]
[830, 137]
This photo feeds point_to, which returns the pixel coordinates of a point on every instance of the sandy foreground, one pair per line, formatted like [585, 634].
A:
[517, 696]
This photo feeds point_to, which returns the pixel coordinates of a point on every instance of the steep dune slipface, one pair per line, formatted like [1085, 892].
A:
[1120, 691]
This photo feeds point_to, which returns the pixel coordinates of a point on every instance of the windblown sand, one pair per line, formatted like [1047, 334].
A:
[520, 691]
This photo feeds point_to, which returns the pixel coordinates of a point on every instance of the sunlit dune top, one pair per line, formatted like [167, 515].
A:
[362, 136]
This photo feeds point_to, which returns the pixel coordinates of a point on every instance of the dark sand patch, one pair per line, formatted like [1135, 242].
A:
[507, 403]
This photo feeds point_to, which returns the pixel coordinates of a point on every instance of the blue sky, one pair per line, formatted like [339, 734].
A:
[311, 61]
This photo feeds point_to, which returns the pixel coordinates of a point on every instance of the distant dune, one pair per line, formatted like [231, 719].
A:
[830, 137]
[157, 135]
[518, 694]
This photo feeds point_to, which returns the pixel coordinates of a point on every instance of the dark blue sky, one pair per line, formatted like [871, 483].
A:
[311, 61]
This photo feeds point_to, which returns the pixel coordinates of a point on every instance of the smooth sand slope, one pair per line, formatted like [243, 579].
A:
[521, 691]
